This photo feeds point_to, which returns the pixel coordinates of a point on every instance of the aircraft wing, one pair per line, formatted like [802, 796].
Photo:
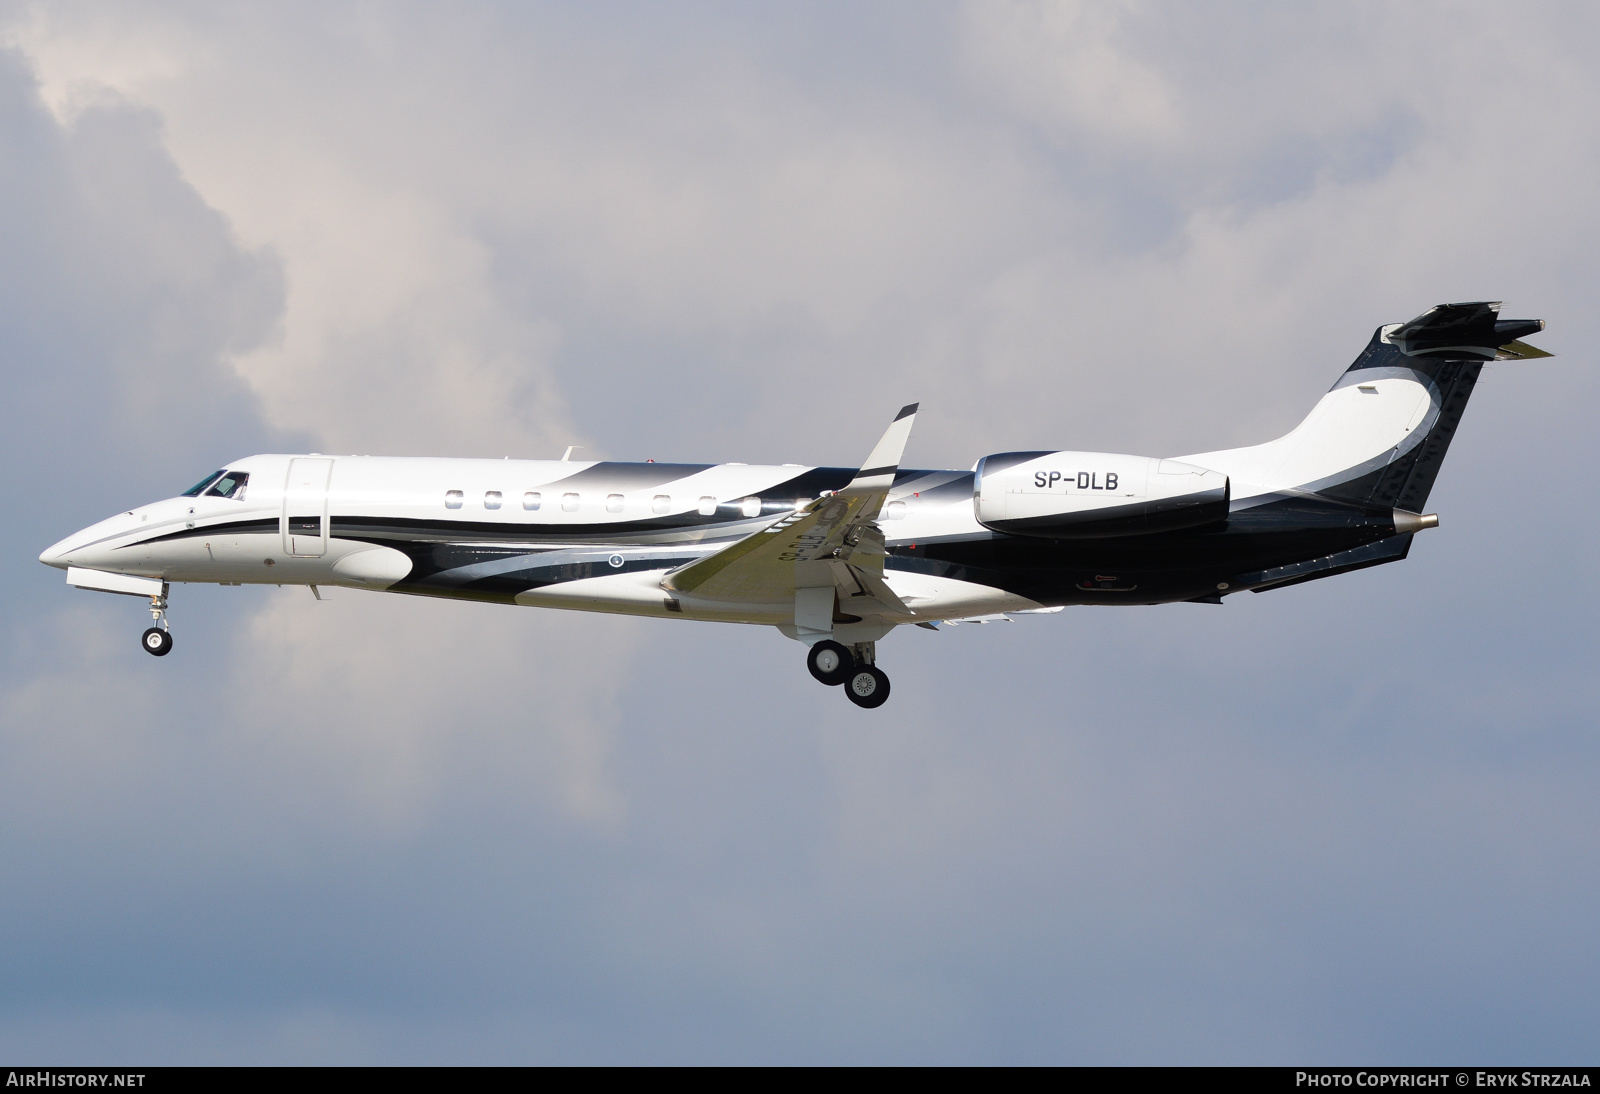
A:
[833, 543]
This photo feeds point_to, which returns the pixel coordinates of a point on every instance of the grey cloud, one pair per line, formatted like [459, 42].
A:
[122, 299]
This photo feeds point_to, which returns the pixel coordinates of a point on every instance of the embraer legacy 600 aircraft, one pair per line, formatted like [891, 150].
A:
[837, 557]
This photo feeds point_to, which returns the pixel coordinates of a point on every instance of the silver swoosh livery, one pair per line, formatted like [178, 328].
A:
[836, 558]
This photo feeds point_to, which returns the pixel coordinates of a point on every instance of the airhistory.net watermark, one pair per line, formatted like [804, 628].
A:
[36, 1077]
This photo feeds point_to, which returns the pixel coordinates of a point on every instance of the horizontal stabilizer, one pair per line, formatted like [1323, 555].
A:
[1520, 351]
[1465, 330]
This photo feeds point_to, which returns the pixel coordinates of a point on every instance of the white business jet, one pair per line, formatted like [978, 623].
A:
[836, 558]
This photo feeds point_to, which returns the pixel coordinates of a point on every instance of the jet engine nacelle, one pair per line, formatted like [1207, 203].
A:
[1094, 495]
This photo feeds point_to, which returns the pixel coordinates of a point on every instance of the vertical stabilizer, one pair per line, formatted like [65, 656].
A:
[1380, 434]
[1443, 350]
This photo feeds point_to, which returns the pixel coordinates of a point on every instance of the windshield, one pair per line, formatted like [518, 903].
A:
[231, 485]
[194, 491]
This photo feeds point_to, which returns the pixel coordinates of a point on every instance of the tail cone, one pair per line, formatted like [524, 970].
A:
[1414, 522]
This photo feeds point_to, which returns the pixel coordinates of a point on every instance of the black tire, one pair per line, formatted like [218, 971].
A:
[824, 652]
[868, 687]
[157, 641]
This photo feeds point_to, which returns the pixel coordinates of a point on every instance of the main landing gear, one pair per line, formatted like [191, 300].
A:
[830, 662]
[158, 639]
[864, 682]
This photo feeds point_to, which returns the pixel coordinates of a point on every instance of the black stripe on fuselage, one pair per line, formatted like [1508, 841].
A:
[1158, 568]
[260, 526]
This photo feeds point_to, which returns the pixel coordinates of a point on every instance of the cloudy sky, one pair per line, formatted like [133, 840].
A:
[1349, 821]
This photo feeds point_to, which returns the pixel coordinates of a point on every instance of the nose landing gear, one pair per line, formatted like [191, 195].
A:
[157, 640]
[865, 683]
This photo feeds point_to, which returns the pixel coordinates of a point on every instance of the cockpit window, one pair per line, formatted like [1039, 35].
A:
[231, 485]
[194, 491]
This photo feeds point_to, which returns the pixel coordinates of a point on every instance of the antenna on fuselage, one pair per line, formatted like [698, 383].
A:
[567, 455]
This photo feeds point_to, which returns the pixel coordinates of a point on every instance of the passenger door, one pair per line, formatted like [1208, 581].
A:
[305, 508]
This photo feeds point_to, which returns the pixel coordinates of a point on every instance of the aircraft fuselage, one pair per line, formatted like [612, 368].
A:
[837, 557]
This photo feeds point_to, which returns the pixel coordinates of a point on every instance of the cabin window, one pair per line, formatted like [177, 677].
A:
[569, 503]
[491, 499]
[750, 507]
[531, 500]
[452, 499]
[231, 485]
[708, 507]
[194, 491]
[613, 503]
[894, 510]
[661, 503]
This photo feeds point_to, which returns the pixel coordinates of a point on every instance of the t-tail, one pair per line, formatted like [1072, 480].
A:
[1379, 436]
[1442, 351]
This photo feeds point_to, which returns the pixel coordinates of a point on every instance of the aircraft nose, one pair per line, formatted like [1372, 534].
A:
[56, 554]
[77, 549]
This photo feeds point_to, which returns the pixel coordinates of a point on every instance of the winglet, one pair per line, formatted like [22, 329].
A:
[879, 470]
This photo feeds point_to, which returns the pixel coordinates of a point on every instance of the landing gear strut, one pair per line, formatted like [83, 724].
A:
[864, 682]
[158, 639]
